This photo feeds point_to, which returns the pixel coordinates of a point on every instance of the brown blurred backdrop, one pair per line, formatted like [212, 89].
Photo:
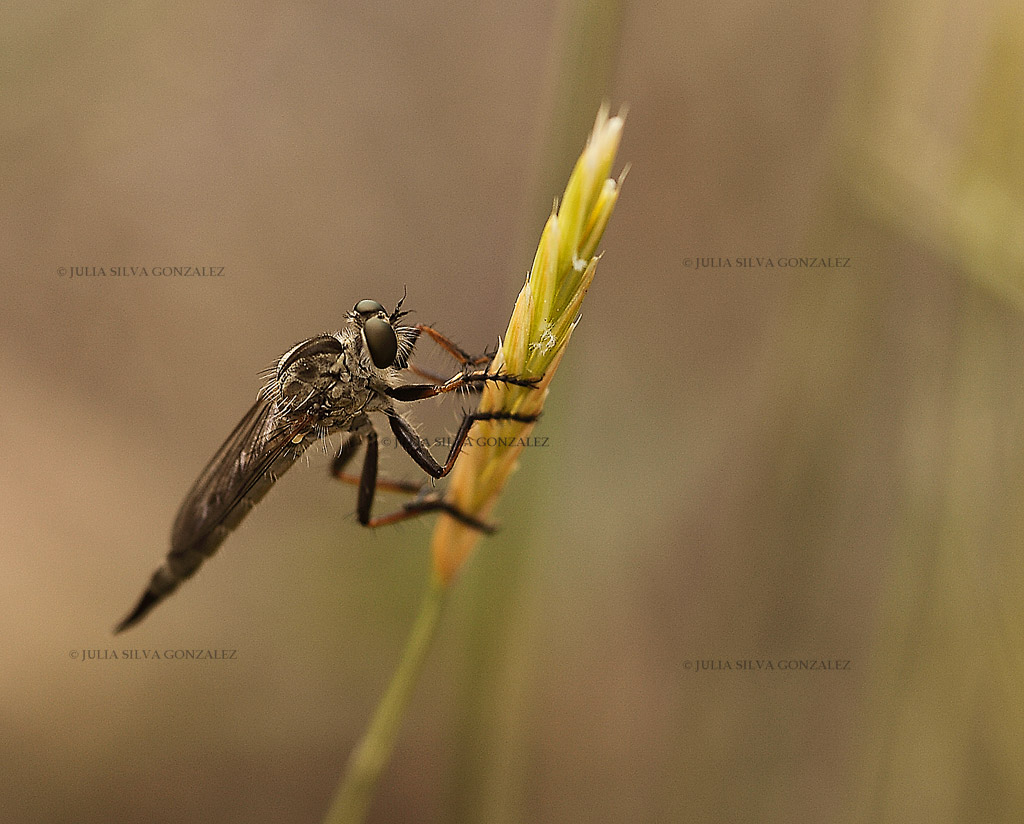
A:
[748, 463]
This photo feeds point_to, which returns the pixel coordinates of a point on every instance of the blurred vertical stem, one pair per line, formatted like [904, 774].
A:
[352, 800]
[545, 315]
[953, 592]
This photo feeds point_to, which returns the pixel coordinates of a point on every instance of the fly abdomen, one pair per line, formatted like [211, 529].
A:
[262, 448]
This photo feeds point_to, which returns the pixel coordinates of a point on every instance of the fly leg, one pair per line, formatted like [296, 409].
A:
[347, 453]
[430, 501]
[463, 380]
[426, 501]
[473, 387]
[452, 348]
[417, 450]
[457, 352]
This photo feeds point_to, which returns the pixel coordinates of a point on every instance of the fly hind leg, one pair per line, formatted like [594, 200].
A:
[427, 500]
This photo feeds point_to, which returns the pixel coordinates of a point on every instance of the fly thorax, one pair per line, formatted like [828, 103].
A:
[308, 372]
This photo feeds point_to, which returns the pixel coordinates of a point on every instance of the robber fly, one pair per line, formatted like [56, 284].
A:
[329, 383]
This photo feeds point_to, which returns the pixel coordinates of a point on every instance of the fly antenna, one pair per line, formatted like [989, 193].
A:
[397, 315]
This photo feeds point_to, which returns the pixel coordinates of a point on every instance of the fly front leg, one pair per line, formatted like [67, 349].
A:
[436, 379]
[431, 376]
[420, 391]
[452, 348]
[466, 360]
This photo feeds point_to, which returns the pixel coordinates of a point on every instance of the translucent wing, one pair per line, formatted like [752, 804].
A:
[263, 445]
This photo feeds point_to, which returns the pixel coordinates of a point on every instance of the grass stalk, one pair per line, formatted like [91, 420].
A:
[352, 799]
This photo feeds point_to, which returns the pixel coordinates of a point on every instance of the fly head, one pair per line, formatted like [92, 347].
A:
[387, 344]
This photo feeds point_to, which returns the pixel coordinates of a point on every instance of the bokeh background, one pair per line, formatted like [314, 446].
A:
[764, 464]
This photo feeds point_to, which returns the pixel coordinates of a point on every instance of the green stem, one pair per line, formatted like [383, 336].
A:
[352, 799]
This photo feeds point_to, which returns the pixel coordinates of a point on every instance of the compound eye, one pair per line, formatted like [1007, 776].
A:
[381, 340]
[368, 307]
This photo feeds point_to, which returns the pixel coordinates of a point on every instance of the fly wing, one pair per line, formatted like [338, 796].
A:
[230, 479]
[260, 449]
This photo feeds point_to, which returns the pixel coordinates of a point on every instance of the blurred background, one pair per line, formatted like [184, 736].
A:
[745, 463]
